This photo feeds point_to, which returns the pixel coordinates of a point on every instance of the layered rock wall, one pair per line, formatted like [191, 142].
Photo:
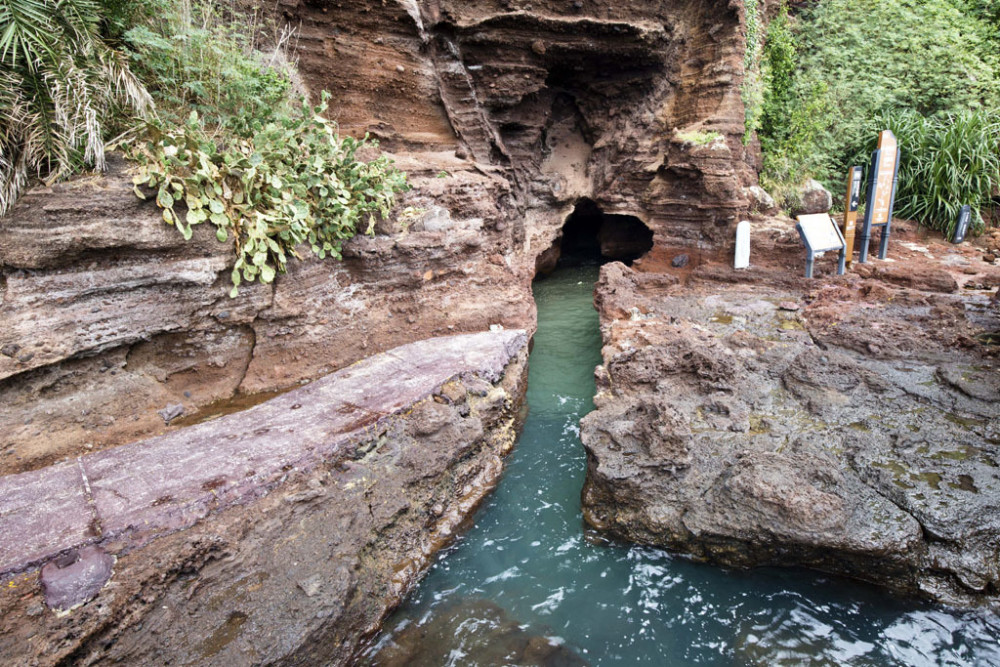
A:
[505, 114]
[590, 99]
[283, 534]
[107, 315]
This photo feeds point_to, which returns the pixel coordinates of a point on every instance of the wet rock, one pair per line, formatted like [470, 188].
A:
[171, 412]
[479, 631]
[76, 577]
[739, 448]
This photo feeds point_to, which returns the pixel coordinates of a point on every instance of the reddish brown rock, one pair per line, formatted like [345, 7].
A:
[855, 435]
[285, 532]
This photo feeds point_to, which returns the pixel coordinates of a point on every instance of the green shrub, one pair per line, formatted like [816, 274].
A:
[948, 161]
[60, 83]
[294, 182]
[701, 138]
[208, 64]
[752, 89]
[857, 60]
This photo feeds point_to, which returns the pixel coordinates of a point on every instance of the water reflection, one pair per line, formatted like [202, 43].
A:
[529, 574]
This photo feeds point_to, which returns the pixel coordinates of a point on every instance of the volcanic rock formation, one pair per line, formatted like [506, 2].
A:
[505, 114]
[851, 425]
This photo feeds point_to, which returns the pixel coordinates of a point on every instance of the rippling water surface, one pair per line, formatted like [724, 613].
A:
[525, 585]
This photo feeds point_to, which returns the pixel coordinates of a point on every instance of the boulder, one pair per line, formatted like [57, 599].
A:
[812, 198]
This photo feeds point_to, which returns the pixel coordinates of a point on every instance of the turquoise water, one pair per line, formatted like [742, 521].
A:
[528, 576]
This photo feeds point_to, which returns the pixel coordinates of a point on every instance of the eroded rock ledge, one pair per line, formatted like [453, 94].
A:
[851, 425]
[281, 534]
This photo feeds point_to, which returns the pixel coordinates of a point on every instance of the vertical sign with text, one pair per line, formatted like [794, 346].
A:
[851, 203]
[882, 202]
[962, 226]
[881, 195]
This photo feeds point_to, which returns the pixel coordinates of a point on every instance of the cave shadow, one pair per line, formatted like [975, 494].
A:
[590, 236]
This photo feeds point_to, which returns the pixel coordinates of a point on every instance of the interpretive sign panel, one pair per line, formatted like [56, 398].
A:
[962, 226]
[819, 234]
[881, 195]
[882, 201]
[851, 203]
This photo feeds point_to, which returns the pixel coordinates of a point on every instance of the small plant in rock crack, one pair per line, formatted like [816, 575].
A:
[293, 182]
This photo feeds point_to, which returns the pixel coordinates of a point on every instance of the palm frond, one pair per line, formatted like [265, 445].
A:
[59, 81]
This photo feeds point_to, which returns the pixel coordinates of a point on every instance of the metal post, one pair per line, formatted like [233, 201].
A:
[866, 228]
[842, 265]
[810, 262]
[883, 242]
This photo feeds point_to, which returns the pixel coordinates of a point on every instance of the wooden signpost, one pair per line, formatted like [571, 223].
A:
[819, 234]
[851, 203]
[962, 226]
[883, 176]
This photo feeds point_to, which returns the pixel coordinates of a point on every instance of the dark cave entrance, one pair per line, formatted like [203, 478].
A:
[591, 236]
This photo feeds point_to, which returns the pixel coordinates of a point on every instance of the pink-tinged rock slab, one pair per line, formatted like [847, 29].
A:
[75, 578]
[41, 513]
[172, 481]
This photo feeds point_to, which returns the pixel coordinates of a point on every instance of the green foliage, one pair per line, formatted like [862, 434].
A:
[700, 138]
[858, 60]
[752, 89]
[210, 65]
[294, 182]
[59, 84]
[948, 160]
[778, 71]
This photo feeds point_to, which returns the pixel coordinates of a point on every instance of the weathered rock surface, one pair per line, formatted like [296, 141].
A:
[858, 435]
[812, 198]
[505, 115]
[283, 533]
[107, 315]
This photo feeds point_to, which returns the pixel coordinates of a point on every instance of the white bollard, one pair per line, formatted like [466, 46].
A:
[742, 260]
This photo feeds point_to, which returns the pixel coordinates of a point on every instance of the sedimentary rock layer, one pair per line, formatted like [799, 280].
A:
[283, 533]
[107, 315]
[505, 114]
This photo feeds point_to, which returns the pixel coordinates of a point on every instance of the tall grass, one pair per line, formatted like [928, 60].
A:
[948, 161]
[205, 56]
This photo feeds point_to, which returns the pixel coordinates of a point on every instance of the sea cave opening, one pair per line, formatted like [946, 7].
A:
[591, 236]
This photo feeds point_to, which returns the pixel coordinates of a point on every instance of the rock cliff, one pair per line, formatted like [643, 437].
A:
[505, 114]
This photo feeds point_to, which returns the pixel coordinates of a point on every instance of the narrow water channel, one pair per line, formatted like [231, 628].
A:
[527, 585]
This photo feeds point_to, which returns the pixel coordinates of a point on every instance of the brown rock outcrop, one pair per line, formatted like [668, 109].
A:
[281, 534]
[739, 428]
[505, 115]
[107, 315]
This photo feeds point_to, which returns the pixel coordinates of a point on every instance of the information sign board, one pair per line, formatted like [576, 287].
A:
[882, 202]
[883, 175]
[819, 233]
